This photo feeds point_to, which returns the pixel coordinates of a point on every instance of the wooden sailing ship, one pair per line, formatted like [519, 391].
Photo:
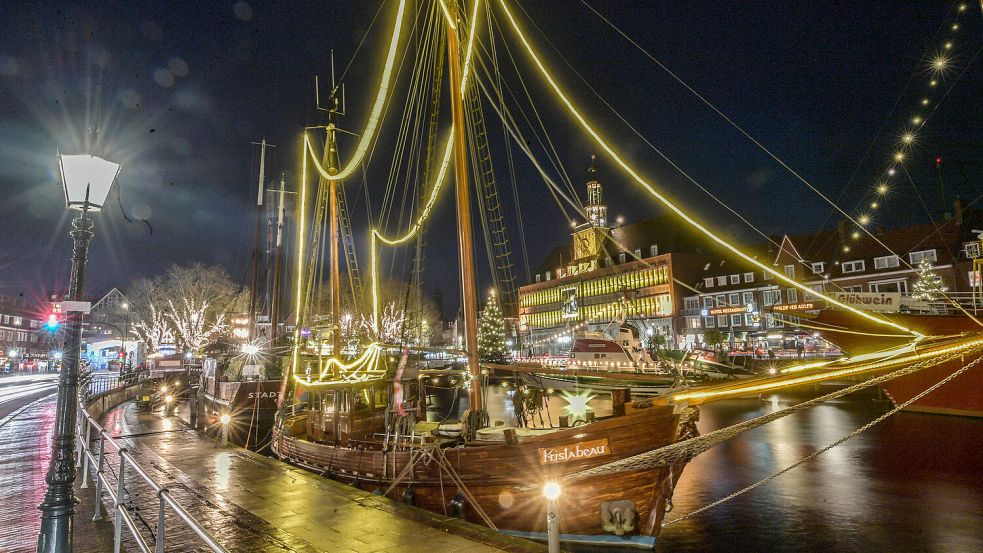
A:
[365, 426]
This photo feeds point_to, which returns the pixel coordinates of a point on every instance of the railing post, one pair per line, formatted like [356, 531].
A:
[78, 436]
[85, 447]
[118, 519]
[98, 477]
[160, 522]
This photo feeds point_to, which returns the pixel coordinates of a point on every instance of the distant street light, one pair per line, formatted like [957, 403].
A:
[86, 181]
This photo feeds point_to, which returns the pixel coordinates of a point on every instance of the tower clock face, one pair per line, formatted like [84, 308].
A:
[585, 244]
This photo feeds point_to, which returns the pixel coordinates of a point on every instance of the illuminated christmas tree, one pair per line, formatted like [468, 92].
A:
[928, 286]
[491, 333]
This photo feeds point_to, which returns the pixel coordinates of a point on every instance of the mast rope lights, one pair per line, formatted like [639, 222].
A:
[372, 125]
[665, 201]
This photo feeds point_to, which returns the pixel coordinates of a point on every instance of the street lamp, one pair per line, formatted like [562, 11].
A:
[86, 181]
[552, 491]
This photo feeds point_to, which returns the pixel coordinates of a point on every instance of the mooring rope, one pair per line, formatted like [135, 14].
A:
[808, 458]
[687, 449]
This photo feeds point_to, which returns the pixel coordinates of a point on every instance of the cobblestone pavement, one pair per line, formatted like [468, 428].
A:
[25, 438]
[254, 503]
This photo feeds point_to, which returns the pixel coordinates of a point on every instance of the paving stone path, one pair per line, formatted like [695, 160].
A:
[253, 503]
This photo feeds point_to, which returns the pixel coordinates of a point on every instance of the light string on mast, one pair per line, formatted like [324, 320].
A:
[372, 125]
[665, 201]
[370, 357]
[940, 64]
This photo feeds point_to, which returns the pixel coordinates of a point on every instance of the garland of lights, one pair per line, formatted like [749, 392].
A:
[938, 67]
[667, 203]
[307, 150]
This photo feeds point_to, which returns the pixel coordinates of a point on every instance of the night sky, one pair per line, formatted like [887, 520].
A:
[179, 91]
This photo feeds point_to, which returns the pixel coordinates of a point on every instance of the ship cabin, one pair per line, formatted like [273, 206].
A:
[348, 413]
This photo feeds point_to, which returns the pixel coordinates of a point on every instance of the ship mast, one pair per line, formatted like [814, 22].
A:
[253, 292]
[275, 302]
[335, 276]
[466, 243]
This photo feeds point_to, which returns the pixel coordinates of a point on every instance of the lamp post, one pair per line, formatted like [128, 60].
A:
[86, 181]
[552, 491]
[126, 355]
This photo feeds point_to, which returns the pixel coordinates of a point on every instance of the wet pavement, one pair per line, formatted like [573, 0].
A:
[254, 503]
[25, 438]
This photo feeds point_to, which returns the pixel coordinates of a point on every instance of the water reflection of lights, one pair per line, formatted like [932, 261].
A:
[222, 463]
[578, 403]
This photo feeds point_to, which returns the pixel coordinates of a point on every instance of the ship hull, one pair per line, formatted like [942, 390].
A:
[251, 407]
[506, 480]
[961, 396]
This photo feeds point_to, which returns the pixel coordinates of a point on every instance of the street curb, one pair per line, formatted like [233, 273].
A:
[14, 414]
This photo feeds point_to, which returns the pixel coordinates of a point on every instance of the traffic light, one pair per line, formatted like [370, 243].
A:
[121, 355]
[54, 316]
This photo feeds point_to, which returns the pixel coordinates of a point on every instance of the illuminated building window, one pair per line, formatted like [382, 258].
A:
[638, 253]
[748, 297]
[852, 266]
[538, 277]
[886, 262]
[709, 322]
[547, 275]
[653, 250]
[793, 295]
[734, 299]
[790, 271]
[722, 320]
[621, 257]
[721, 281]
[974, 279]
[917, 257]
[818, 268]
[749, 319]
[735, 320]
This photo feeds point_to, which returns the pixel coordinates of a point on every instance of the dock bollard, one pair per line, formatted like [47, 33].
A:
[552, 492]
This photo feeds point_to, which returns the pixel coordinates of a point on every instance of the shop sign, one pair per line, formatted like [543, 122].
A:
[728, 310]
[804, 306]
[574, 452]
[870, 301]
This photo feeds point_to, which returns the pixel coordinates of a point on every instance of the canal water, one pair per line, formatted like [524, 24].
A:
[912, 483]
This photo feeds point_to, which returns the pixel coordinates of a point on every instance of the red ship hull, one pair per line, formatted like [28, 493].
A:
[961, 396]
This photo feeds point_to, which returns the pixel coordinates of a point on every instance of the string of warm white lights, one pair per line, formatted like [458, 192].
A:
[603, 144]
[938, 67]
[376, 234]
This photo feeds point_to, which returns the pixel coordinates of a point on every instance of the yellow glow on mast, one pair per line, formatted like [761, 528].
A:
[299, 298]
[665, 201]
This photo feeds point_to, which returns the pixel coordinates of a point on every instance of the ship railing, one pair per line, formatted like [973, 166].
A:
[92, 455]
[952, 304]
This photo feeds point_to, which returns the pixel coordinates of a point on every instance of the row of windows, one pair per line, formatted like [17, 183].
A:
[12, 336]
[651, 306]
[727, 321]
[709, 282]
[595, 287]
[12, 320]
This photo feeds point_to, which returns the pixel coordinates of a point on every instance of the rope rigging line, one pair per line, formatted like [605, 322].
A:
[687, 449]
[654, 148]
[736, 126]
[812, 456]
[669, 204]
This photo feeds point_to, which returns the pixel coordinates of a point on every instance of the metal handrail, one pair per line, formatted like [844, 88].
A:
[85, 426]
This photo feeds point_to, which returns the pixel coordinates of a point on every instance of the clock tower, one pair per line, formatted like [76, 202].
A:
[588, 238]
